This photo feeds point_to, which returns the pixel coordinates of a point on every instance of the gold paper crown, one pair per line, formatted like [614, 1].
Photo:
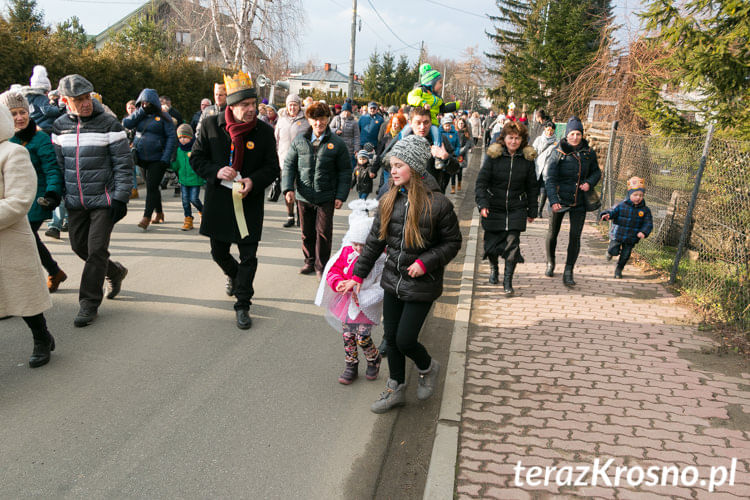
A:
[636, 183]
[240, 81]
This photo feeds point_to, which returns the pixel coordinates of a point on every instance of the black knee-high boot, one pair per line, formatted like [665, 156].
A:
[493, 269]
[510, 267]
[44, 343]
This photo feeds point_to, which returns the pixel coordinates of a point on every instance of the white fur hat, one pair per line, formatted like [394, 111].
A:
[39, 78]
[360, 222]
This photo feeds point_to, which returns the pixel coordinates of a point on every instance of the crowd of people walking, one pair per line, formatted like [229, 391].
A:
[400, 239]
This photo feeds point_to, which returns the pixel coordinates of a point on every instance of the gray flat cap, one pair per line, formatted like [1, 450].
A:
[74, 86]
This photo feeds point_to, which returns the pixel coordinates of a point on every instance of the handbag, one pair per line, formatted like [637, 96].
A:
[275, 192]
[591, 200]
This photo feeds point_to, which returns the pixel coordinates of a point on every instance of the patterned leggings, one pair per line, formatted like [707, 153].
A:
[358, 333]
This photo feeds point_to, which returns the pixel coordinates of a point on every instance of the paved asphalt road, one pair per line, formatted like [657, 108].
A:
[164, 397]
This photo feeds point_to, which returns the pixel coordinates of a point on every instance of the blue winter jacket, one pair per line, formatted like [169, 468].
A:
[41, 110]
[155, 134]
[630, 219]
[369, 127]
[453, 139]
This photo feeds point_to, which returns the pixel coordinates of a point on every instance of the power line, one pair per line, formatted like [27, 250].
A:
[457, 9]
[389, 28]
[376, 32]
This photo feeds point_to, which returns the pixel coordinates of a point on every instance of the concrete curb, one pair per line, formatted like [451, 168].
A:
[441, 476]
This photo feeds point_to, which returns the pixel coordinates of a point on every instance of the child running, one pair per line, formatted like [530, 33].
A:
[633, 223]
[190, 182]
[354, 315]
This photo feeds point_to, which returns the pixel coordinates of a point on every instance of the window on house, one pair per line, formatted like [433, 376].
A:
[305, 84]
[333, 86]
[183, 37]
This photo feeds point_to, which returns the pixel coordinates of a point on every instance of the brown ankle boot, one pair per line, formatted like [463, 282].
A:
[145, 221]
[158, 218]
[188, 224]
[53, 281]
[134, 194]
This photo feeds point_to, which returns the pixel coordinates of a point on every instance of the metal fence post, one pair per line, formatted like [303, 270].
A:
[691, 206]
[608, 184]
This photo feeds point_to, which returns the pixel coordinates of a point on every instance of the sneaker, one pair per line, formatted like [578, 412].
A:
[350, 374]
[618, 273]
[289, 222]
[373, 368]
[114, 283]
[307, 269]
[53, 281]
[84, 317]
[427, 381]
[609, 256]
[393, 395]
[65, 227]
[53, 232]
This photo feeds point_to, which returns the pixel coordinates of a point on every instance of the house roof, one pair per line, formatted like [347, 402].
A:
[322, 75]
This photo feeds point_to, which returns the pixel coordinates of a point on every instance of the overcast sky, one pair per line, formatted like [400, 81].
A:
[446, 26]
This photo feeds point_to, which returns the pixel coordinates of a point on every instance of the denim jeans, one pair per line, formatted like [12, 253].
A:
[58, 217]
[191, 194]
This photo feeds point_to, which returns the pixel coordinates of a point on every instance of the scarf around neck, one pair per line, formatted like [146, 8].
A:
[237, 132]
[25, 135]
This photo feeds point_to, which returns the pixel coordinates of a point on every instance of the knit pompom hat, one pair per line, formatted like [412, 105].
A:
[360, 220]
[13, 100]
[293, 98]
[363, 153]
[39, 78]
[428, 76]
[414, 151]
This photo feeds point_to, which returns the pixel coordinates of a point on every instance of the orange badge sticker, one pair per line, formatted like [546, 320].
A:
[157, 118]
[189, 153]
[641, 213]
[250, 145]
[330, 145]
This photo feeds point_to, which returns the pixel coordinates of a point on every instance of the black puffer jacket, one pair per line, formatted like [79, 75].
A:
[506, 185]
[94, 155]
[442, 236]
[567, 168]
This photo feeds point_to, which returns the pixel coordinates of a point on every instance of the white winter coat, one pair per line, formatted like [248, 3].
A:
[23, 291]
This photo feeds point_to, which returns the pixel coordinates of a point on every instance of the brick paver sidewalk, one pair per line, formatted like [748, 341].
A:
[559, 377]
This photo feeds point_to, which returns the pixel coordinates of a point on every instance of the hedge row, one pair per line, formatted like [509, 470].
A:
[117, 74]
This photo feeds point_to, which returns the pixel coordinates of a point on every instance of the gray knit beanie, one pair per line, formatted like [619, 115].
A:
[13, 100]
[414, 151]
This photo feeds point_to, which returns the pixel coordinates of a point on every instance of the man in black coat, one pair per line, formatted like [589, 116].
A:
[236, 154]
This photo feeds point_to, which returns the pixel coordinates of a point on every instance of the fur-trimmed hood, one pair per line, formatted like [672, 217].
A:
[496, 150]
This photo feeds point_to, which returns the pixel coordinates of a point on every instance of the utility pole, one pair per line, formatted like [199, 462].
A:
[351, 49]
[421, 51]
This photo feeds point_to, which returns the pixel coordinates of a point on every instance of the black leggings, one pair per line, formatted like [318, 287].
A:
[36, 322]
[402, 322]
[577, 219]
[47, 261]
[154, 174]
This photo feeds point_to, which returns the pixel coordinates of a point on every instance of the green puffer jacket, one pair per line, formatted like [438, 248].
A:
[49, 177]
[317, 178]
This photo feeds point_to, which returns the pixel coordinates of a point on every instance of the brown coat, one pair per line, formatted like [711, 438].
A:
[23, 291]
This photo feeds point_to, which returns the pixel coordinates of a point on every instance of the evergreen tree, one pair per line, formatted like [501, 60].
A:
[707, 42]
[25, 17]
[143, 33]
[71, 33]
[406, 75]
[387, 75]
[370, 80]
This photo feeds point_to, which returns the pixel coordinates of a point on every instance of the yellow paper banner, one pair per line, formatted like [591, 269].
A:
[239, 213]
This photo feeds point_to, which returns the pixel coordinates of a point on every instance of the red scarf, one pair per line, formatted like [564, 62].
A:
[238, 131]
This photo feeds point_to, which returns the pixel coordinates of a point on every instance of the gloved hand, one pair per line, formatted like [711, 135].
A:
[50, 200]
[117, 210]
